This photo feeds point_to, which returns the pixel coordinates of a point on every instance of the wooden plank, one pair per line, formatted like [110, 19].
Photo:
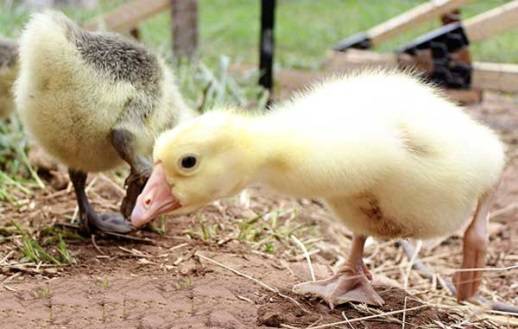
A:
[496, 76]
[464, 97]
[128, 16]
[354, 58]
[492, 22]
[489, 76]
[409, 19]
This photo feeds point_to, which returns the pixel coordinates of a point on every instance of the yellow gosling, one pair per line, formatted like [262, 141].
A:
[386, 152]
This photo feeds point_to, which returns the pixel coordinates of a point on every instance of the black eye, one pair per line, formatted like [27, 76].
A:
[188, 162]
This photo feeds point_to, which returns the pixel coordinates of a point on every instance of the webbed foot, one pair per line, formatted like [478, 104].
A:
[105, 222]
[350, 284]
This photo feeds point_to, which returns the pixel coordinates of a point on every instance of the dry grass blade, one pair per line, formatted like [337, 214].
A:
[306, 255]
[484, 269]
[135, 252]
[3, 260]
[404, 313]
[316, 322]
[411, 263]
[290, 327]
[504, 321]
[10, 278]
[248, 300]
[347, 319]
[181, 245]
[95, 245]
[29, 270]
[259, 282]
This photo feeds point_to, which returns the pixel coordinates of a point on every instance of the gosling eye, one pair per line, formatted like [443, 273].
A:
[188, 162]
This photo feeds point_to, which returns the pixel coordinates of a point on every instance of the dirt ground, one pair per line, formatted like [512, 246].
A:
[232, 265]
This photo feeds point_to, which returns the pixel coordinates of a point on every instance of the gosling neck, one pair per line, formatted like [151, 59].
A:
[270, 152]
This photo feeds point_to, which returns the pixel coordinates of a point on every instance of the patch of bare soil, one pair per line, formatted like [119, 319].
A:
[232, 265]
[130, 293]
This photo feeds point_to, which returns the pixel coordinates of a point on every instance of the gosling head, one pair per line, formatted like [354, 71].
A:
[195, 163]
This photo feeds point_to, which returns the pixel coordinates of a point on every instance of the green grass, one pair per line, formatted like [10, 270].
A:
[270, 232]
[16, 174]
[45, 247]
[103, 282]
[43, 293]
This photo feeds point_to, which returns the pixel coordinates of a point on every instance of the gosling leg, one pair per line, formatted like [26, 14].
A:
[351, 283]
[475, 243]
[90, 221]
[140, 168]
[446, 283]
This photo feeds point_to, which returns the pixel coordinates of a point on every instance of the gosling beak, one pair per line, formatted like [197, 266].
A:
[155, 199]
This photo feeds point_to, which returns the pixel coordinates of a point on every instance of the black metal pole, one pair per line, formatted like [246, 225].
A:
[266, 46]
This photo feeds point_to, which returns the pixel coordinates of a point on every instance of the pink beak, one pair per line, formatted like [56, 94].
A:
[156, 198]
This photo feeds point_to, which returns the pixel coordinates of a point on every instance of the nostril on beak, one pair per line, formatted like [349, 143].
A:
[147, 202]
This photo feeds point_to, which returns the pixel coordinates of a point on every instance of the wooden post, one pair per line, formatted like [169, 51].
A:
[266, 46]
[135, 33]
[184, 28]
[451, 17]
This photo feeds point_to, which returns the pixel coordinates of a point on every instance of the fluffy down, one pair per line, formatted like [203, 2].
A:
[388, 154]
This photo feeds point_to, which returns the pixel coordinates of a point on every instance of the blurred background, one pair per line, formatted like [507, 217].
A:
[305, 29]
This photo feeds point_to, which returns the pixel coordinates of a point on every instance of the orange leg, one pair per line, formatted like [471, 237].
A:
[474, 250]
[351, 283]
